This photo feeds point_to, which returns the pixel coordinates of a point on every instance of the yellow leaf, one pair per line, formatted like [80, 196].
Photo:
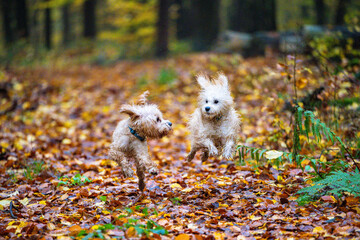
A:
[25, 201]
[273, 154]
[318, 230]
[301, 82]
[4, 204]
[175, 185]
[182, 237]
[95, 227]
[51, 226]
[66, 141]
[345, 85]
[305, 163]
[42, 202]
[186, 190]
[219, 235]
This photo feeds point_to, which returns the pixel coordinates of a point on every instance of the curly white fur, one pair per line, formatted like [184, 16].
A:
[215, 124]
[147, 121]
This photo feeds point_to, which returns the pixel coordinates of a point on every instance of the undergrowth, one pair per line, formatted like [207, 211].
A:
[135, 223]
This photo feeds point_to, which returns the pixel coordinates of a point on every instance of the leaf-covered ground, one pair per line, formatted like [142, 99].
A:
[54, 167]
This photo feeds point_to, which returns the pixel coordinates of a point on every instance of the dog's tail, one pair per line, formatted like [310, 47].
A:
[142, 99]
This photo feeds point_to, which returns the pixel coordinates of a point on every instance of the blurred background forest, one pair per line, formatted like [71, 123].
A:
[103, 32]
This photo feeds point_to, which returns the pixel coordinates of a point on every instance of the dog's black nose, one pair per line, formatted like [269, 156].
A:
[207, 109]
[170, 124]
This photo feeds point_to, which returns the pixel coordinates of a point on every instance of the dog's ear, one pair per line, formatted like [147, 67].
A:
[203, 81]
[130, 110]
[222, 80]
[142, 99]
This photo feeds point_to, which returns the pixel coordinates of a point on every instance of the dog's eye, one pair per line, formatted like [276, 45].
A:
[206, 101]
[158, 119]
[216, 101]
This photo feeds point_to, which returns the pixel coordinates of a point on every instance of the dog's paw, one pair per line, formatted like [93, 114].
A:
[128, 173]
[227, 155]
[154, 171]
[213, 152]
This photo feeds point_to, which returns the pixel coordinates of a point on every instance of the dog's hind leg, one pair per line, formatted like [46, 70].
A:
[140, 172]
[123, 162]
[204, 155]
[192, 154]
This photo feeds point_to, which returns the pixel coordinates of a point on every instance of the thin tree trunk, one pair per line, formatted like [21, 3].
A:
[89, 9]
[162, 28]
[35, 32]
[184, 20]
[6, 18]
[48, 28]
[66, 24]
[22, 29]
[206, 23]
[320, 12]
[340, 12]
[253, 15]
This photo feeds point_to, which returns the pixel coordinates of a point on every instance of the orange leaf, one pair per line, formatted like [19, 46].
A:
[182, 237]
[74, 230]
[131, 232]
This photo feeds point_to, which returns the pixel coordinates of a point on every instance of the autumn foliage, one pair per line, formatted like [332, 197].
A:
[58, 183]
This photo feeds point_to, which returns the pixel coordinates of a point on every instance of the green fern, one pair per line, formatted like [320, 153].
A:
[337, 183]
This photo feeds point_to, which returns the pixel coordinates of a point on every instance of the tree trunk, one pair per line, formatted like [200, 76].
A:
[6, 18]
[206, 23]
[245, 15]
[340, 12]
[184, 20]
[22, 29]
[48, 28]
[162, 28]
[66, 25]
[89, 8]
[320, 12]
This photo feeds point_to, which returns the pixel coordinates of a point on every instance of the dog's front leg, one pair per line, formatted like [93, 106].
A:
[211, 147]
[228, 149]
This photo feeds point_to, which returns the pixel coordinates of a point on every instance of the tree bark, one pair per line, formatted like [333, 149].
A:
[320, 12]
[340, 12]
[253, 15]
[66, 25]
[21, 16]
[206, 23]
[6, 18]
[89, 8]
[183, 20]
[162, 28]
[48, 28]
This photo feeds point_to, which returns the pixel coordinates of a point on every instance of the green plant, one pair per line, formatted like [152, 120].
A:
[166, 76]
[75, 180]
[98, 233]
[33, 170]
[176, 200]
[337, 183]
[103, 198]
[141, 225]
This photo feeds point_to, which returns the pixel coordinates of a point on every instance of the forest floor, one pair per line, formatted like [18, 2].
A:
[54, 167]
